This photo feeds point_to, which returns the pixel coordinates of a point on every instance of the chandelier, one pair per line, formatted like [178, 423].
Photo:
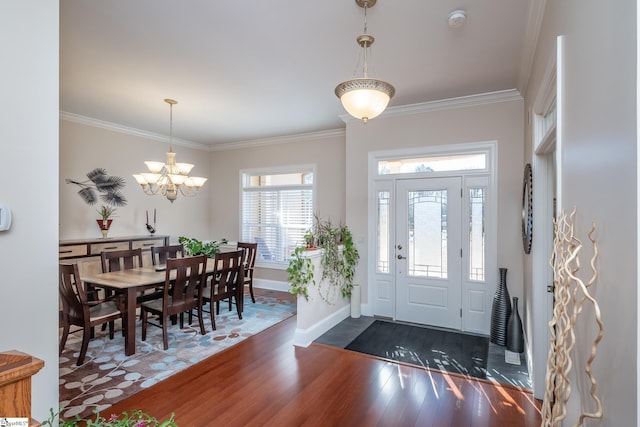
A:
[365, 98]
[168, 178]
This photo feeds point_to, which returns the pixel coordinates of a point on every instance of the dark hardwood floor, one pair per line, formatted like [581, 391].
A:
[266, 381]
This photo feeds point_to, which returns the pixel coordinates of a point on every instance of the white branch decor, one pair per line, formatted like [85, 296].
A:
[570, 295]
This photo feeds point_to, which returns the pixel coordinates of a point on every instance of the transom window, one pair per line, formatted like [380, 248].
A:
[277, 210]
[458, 162]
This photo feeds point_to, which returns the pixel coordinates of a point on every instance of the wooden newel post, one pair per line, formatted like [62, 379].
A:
[16, 369]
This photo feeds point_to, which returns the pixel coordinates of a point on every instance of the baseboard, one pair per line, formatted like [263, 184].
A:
[304, 337]
[274, 285]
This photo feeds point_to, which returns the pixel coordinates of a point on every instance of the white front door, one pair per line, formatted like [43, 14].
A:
[428, 251]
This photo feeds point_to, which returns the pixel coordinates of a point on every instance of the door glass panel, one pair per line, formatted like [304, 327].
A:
[382, 263]
[476, 233]
[427, 254]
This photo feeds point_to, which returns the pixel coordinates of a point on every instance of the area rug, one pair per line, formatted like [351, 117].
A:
[426, 347]
[108, 375]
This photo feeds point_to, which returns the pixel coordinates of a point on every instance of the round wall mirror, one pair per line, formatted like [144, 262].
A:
[527, 209]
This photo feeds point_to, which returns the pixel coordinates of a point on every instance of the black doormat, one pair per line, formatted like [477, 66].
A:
[425, 347]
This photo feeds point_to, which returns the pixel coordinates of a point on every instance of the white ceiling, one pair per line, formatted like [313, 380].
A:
[243, 70]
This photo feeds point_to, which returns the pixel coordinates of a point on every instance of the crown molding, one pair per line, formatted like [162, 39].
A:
[302, 137]
[447, 104]
[535, 16]
[83, 120]
[311, 136]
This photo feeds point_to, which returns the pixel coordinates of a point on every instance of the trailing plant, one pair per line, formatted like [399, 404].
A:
[135, 418]
[101, 186]
[338, 259]
[194, 247]
[300, 273]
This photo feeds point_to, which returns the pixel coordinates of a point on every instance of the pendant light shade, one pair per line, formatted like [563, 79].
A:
[365, 98]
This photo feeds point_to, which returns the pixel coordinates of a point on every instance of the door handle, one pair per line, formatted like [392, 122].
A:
[399, 246]
[401, 257]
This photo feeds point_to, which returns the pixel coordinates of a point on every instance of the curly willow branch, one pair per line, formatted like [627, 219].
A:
[570, 294]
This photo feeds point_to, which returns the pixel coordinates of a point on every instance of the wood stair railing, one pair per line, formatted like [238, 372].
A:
[16, 369]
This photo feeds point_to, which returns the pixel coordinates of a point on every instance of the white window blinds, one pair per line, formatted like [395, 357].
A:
[276, 216]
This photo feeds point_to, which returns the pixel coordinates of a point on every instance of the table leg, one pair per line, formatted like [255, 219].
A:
[130, 321]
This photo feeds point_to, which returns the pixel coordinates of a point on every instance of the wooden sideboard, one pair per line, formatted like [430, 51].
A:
[86, 252]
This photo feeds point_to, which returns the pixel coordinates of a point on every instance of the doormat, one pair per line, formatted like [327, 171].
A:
[425, 347]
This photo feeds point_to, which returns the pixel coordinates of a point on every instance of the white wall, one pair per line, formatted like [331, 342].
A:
[598, 170]
[501, 122]
[324, 149]
[84, 148]
[28, 251]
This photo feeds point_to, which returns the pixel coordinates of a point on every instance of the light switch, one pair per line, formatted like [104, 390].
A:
[5, 217]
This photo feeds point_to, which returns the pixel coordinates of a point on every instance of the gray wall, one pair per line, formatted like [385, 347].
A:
[598, 169]
[86, 147]
[29, 250]
[324, 149]
[499, 121]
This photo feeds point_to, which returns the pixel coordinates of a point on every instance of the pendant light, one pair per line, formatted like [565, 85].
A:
[365, 98]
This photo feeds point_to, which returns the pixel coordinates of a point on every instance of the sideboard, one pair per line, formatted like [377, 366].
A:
[86, 252]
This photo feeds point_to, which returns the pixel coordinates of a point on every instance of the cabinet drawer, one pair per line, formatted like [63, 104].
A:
[96, 248]
[72, 251]
[146, 244]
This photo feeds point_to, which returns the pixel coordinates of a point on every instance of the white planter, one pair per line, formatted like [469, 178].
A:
[355, 301]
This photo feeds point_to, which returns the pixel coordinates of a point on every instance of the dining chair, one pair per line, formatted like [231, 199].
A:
[226, 282]
[180, 294]
[248, 262]
[159, 254]
[121, 260]
[77, 310]
[127, 259]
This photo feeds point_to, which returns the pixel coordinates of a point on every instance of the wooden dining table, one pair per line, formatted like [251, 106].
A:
[129, 283]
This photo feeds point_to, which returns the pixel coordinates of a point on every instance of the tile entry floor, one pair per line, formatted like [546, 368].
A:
[498, 369]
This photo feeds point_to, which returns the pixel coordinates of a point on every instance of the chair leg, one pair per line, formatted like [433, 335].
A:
[143, 313]
[65, 334]
[111, 327]
[86, 335]
[218, 307]
[253, 299]
[165, 339]
[201, 321]
[238, 306]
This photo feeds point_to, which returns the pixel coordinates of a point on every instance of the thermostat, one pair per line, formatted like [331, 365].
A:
[5, 217]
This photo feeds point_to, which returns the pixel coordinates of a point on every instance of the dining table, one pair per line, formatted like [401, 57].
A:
[129, 283]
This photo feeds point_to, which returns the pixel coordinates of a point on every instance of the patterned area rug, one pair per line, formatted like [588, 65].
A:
[108, 376]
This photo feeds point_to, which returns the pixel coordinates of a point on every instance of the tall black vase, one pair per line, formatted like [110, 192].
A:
[500, 311]
[515, 338]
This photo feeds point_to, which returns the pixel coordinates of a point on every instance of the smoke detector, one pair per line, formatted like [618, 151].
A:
[457, 18]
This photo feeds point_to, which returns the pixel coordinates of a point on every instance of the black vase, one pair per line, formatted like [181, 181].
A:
[515, 338]
[500, 311]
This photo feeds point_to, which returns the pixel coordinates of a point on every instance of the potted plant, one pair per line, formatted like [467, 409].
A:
[105, 213]
[310, 240]
[125, 419]
[338, 259]
[196, 247]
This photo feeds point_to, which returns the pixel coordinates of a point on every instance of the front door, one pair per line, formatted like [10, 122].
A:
[428, 251]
